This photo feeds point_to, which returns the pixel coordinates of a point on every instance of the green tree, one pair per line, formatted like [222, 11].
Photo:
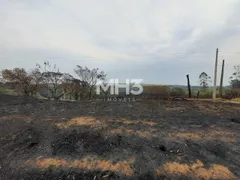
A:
[235, 78]
[21, 81]
[204, 81]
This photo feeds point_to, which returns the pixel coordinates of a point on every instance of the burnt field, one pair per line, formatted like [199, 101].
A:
[151, 139]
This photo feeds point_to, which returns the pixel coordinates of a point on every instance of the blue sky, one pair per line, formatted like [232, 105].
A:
[155, 40]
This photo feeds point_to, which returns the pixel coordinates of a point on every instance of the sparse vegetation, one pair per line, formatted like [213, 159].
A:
[7, 91]
[113, 140]
[179, 92]
[97, 139]
[235, 78]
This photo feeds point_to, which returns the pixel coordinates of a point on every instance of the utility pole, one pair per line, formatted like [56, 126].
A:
[215, 76]
[189, 87]
[221, 81]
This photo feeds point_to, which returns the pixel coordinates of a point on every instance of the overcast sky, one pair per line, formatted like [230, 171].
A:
[159, 41]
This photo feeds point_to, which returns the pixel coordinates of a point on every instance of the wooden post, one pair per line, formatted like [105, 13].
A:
[189, 87]
[221, 81]
[215, 77]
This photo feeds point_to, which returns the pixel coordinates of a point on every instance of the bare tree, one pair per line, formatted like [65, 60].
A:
[52, 79]
[74, 87]
[36, 78]
[89, 77]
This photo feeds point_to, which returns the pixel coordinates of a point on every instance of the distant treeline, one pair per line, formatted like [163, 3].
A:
[49, 82]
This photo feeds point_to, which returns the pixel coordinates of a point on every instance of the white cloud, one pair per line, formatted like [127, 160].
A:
[147, 31]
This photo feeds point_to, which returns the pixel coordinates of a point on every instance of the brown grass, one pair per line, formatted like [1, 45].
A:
[127, 132]
[223, 135]
[87, 163]
[134, 122]
[80, 121]
[91, 163]
[15, 117]
[94, 122]
[121, 129]
[196, 170]
[47, 162]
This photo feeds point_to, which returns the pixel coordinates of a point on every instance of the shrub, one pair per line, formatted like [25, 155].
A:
[206, 94]
[155, 91]
[232, 93]
[177, 92]
[7, 91]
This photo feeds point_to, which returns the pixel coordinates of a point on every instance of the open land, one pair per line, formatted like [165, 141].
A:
[146, 139]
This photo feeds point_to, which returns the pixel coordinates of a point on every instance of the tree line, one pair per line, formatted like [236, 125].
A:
[50, 82]
[53, 83]
[234, 80]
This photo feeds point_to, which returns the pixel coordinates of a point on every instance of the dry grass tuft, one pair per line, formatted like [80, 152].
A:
[223, 135]
[15, 117]
[93, 122]
[126, 131]
[87, 163]
[47, 162]
[79, 121]
[90, 163]
[134, 122]
[120, 130]
[196, 170]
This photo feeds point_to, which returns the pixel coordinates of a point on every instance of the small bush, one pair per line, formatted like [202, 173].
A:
[232, 93]
[7, 91]
[155, 91]
[177, 92]
[206, 94]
